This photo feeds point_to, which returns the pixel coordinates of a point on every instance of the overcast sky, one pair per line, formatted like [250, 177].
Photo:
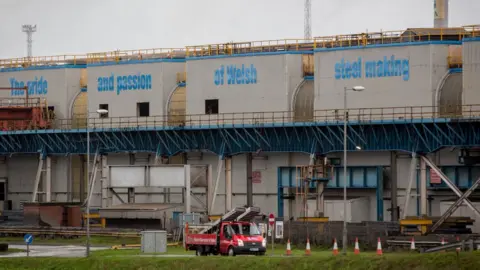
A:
[67, 26]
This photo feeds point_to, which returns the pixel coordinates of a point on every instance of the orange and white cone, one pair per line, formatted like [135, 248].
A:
[379, 247]
[307, 249]
[289, 249]
[443, 243]
[458, 248]
[412, 244]
[335, 247]
[357, 248]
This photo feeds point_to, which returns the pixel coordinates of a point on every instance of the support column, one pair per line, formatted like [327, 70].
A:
[105, 182]
[37, 178]
[249, 180]
[291, 176]
[209, 188]
[393, 185]
[188, 195]
[228, 184]
[82, 178]
[47, 184]
[320, 200]
[131, 195]
[423, 188]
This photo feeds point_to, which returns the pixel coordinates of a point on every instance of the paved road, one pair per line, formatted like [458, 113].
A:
[50, 251]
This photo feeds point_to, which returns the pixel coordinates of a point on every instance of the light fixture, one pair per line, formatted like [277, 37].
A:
[102, 111]
[358, 147]
[358, 88]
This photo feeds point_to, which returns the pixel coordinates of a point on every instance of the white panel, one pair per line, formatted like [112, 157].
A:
[167, 176]
[127, 176]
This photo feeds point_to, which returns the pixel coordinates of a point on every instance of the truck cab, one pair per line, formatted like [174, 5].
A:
[233, 234]
[241, 238]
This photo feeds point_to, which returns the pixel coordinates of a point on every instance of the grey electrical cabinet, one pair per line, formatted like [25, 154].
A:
[154, 241]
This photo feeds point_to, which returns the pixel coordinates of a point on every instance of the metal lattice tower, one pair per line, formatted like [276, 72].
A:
[308, 19]
[29, 29]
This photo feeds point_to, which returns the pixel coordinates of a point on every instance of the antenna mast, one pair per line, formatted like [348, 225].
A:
[308, 19]
[29, 30]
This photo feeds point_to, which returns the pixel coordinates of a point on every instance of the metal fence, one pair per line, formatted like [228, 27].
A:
[286, 118]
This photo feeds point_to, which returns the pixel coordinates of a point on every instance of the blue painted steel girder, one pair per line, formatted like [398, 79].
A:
[307, 138]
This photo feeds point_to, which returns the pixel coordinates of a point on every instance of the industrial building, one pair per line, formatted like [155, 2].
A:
[254, 120]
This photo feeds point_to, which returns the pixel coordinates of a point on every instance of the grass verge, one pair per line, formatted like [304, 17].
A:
[439, 261]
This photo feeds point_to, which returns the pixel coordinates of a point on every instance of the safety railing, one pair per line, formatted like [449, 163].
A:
[20, 102]
[364, 115]
[250, 47]
[359, 39]
[473, 30]
[142, 54]
[26, 62]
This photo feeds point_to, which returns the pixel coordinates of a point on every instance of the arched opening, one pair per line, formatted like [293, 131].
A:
[303, 102]
[79, 111]
[177, 107]
[78, 169]
[450, 101]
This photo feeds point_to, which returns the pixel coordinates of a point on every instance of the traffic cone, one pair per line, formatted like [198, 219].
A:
[443, 243]
[357, 248]
[412, 244]
[307, 249]
[289, 249]
[379, 247]
[335, 247]
[458, 248]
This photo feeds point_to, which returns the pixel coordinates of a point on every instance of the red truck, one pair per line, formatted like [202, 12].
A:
[231, 235]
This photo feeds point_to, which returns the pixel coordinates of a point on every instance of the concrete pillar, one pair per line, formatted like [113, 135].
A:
[188, 197]
[320, 200]
[249, 180]
[228, 184]
[82, 178]
[393, 185]
[423, 188]
[105, 182]
[47, 184]
[131, 195]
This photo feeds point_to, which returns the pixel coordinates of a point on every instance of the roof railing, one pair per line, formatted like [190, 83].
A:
[142, 54]
[34, 61]
[231, 48]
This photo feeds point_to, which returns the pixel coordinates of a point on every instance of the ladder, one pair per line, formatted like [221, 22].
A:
[455, 206]
[236, 214]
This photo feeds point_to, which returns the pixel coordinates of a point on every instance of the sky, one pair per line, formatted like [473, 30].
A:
[81, 26]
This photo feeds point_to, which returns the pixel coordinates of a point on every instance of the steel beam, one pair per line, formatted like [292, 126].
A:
[37, 178]
[104, 179]
[209, 188]
[393, 187]
[413, 170]
[188, 190]
[450, 184]
[228, 184]
[219, 171]
[423, 188]
[249, 180]
[47, 184]
[455, 206]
